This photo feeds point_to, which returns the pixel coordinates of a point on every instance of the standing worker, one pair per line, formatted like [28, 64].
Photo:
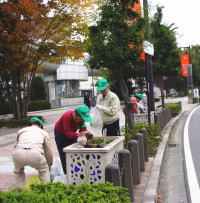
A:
[109, 105]
[66, 129]
[32, 148]
[87, 100]
[137, 106]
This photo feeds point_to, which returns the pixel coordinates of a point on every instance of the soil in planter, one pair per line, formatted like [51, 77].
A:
[97, 142]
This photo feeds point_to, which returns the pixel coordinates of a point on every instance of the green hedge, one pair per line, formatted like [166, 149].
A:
[60, 193]
[176, 108]
[153, 139]
[181, 94]
[12, 123]
[5, 108]
[39, 105]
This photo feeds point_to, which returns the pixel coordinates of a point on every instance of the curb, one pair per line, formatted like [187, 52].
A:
[150, 193]
[40, 111]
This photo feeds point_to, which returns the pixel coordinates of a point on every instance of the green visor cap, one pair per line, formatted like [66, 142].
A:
[84, 112]
[102, 84]
[36, 120]
[140, 96]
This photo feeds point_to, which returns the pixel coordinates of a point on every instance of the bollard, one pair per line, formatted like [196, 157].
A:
[135, 164]
[143, 131]
[112, 174]
[139, 138]
[126, 171]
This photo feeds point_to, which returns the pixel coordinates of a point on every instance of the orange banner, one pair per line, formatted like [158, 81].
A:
[185, 60]
[142, 54]
[184, 70]
[137, 7]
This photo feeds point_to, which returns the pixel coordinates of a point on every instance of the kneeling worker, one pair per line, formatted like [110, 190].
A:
[32, 148]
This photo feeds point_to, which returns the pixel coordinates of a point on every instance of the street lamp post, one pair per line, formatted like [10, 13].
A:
[149, 69]
[189, 77]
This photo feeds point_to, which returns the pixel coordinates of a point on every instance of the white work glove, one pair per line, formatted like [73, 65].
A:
[99, 107]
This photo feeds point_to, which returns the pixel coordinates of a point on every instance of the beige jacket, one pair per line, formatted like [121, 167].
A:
[111, 107]
[35, 138]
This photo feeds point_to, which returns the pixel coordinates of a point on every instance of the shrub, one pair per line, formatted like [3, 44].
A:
[156, 99]
[181, 94]
[38, 89]
[12, 123]
[39, 105]
[58, 192]
[5, 108]
[153, 138]
[176, 108]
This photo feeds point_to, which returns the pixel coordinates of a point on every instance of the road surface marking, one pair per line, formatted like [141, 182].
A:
[191, 174]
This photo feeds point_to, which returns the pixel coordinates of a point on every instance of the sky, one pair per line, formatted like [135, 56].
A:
[186, 16]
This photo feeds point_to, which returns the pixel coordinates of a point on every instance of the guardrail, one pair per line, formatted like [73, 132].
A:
[163, 116]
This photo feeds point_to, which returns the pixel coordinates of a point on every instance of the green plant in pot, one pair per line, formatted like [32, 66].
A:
[96, 142]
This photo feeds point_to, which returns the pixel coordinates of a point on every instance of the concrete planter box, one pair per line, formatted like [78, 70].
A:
[143, 118]
[89, 163]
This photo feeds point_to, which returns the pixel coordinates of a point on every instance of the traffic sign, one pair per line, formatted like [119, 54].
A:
[148, 48]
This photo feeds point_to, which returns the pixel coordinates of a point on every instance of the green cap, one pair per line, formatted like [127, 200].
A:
[140, 96]
[102, 84]
[84, 112]
[37, 120]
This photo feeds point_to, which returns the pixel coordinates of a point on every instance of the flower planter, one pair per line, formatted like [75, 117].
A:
[89, 163]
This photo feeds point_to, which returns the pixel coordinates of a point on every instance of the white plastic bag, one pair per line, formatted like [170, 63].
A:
[56, 169]
[97, 122]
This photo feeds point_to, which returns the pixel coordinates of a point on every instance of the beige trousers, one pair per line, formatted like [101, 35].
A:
[29, 157]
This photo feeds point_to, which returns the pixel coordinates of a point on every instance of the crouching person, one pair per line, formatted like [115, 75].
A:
[32, 148]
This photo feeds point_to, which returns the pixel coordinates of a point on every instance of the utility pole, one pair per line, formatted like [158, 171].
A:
[149, 68]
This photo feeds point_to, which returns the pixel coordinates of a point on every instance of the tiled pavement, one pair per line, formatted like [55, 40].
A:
[6, 165]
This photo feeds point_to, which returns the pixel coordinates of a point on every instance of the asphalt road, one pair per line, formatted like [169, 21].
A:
[180, 174]
[192, 154]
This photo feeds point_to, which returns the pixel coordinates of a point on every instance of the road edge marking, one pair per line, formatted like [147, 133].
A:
[194, 189]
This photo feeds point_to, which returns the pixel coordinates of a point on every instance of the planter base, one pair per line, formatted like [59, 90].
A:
[88, 164]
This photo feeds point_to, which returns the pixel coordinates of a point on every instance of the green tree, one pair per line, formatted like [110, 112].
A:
[166, 60]
[35, 31]
[195, 56]
[38, 89]
[110, 40]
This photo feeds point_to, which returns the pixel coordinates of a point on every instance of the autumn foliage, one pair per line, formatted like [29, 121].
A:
[33, 32]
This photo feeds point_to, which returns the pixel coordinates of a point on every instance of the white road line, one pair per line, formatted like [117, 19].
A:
[191, 174]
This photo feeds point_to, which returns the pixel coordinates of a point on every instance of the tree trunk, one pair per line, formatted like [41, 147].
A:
[128, 105]
[15, 96]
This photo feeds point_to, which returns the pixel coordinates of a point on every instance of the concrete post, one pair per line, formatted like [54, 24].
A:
[112, 174]
[135, 164]
[126, 171]
[139, 138]
[143, 131]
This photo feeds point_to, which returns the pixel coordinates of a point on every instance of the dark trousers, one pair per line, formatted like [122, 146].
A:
[62, 141]
[112, 129]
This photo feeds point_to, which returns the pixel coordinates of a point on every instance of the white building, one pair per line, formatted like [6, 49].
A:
[63, 82]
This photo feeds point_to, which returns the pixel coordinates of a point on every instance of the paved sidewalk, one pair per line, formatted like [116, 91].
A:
[143, 192]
